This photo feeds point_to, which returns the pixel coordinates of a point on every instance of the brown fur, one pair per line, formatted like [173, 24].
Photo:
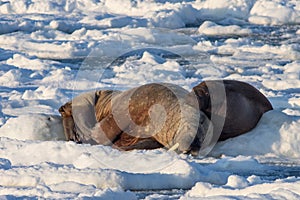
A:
[141, 100]
[141, 103]
[147, 96]
[120, 139]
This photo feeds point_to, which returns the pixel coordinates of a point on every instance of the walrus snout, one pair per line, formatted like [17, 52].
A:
[66, 109]
[68, 122]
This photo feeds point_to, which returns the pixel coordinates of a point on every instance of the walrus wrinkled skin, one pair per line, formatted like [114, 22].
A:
[243, 104]
[146, 117]
[113, 132]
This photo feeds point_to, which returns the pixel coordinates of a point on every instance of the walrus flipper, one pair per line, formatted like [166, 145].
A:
[106, 131]
[127, 142]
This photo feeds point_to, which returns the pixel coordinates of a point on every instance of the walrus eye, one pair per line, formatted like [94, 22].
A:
[49, 119]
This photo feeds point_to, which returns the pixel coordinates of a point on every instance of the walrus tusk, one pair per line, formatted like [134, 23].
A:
[174, 147]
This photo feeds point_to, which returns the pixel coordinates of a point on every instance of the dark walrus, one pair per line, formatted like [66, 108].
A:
[234, 107]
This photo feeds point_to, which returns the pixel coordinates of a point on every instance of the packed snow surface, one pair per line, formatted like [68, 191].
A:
[51, 51]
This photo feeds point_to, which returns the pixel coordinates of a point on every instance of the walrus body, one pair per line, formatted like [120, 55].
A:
[163, 115]
[146, 117]
[237, 109]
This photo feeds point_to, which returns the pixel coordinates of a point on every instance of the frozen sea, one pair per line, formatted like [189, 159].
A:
[51, 51]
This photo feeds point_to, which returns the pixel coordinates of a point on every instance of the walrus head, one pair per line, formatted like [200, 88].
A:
[202, 93]
[68, 122]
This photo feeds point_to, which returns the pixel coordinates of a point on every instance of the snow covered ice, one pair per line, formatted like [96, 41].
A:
[51, 51]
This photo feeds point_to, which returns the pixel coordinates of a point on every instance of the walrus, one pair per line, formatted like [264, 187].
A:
[146, 117]
[234, 106]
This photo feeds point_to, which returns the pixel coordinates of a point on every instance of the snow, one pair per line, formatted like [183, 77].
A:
[266, 12]
[280, 189]
[276, 133]
[211, 28]
[52, 51]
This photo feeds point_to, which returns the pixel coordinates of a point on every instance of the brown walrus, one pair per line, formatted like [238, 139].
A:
[234, 107]
[146, 117]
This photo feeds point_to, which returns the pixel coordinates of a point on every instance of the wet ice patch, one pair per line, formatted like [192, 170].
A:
[4, 164]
